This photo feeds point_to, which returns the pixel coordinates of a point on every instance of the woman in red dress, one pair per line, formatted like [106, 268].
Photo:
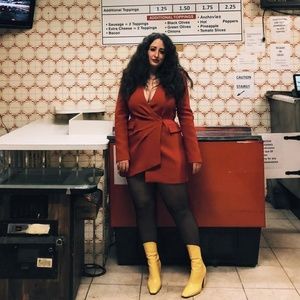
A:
[155, 152]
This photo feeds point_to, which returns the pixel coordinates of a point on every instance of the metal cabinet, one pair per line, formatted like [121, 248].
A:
[42, 231]
[285, 118]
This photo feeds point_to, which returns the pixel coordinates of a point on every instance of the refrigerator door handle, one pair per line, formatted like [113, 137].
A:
[291, 137]
[292, 172]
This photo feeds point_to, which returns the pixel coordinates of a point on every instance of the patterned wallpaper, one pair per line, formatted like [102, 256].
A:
[61, 62]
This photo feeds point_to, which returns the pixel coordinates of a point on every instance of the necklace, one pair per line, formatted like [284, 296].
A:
[150, 88]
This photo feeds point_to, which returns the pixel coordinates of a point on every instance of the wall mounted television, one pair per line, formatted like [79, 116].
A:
[16, 13]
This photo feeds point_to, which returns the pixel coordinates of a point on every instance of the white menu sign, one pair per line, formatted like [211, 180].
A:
[127, 22]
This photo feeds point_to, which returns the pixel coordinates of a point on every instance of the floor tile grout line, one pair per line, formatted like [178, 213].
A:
[88, 289]
[266, 240]
[238, 274]
[274, 231]
[118, 284]
[293, 225]
[272, 249]
[297, 229]
[283, 268]
[141, 283]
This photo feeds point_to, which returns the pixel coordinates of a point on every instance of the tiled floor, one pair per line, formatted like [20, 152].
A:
[276, 277]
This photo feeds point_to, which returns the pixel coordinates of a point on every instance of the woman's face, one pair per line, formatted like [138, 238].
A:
[156, 53]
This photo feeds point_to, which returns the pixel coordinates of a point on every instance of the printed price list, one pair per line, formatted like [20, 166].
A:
[203, 21]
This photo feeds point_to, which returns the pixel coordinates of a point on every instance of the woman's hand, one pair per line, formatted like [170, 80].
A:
[196, 167]
[123, 167]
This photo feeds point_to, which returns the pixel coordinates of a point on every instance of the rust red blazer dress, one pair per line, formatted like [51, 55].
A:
[148, 136]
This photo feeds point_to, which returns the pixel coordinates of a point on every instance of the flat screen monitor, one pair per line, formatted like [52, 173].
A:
[297, 84]
[16, 13]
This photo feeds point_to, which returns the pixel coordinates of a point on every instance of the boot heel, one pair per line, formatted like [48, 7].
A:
[204, 282]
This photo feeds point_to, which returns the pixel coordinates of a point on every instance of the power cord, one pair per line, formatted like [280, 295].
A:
[285, 13]
[277, 11]
[263, 26]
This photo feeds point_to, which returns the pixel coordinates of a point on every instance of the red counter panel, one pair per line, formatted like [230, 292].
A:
[228, 192]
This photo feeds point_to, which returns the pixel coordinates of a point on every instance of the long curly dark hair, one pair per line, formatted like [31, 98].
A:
[170, 73]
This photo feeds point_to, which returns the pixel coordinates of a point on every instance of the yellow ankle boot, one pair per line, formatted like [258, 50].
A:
[154, 265]
[198, 272]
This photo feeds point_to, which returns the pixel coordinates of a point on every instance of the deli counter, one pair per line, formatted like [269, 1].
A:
[226, 198]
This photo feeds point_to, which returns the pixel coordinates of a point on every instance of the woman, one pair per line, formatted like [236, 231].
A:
[155, 153]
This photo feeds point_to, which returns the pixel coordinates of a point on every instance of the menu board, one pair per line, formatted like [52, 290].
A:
[126, 22]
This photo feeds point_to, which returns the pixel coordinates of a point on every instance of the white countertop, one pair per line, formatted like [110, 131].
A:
[46, 135]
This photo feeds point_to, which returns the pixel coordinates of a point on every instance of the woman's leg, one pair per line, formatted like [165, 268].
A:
[144, 197]
[175, 197]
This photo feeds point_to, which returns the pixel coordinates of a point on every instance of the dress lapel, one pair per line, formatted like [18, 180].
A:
[149, 107]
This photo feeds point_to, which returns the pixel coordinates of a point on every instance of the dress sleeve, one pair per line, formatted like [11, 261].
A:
[121, 132]
[186, 120]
